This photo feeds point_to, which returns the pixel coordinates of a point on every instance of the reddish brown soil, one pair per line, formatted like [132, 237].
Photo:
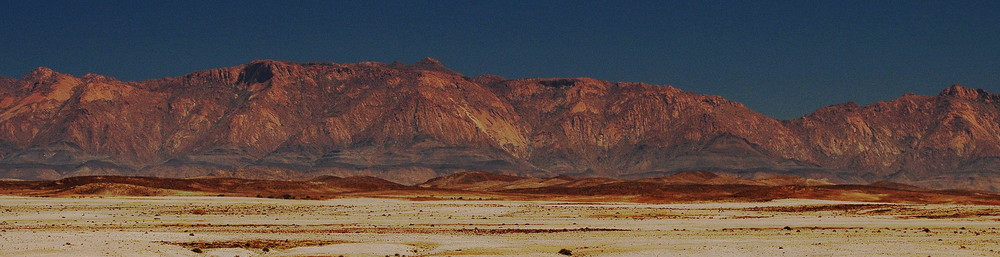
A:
[608, 190]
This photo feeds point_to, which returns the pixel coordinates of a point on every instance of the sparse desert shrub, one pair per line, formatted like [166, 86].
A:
[198, 212]
[565, 252]
[558, 83]
[197, 250]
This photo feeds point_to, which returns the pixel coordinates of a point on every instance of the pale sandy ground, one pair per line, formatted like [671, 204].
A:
[379, 227]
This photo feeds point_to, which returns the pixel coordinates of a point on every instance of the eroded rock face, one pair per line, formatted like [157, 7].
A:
[590, 127]
[914, 139]
[408, 123]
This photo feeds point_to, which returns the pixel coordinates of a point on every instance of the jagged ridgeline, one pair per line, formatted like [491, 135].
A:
[408, 123]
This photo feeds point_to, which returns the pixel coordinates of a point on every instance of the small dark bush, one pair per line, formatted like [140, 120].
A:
[558, 83]
[565, 252]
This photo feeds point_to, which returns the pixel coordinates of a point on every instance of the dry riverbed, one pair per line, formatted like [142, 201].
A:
[230, 226]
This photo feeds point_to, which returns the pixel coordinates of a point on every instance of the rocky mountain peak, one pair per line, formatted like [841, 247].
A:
[97, 77]
[432, 64]
[260, 71]
[967, 93]
[429, 61]
[39, 73]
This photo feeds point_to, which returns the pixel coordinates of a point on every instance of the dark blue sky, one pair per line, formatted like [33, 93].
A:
[782, 58]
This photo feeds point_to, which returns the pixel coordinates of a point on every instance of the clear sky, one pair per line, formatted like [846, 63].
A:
[781, 58]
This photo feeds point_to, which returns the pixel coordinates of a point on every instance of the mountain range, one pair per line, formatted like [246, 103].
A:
[411, 122]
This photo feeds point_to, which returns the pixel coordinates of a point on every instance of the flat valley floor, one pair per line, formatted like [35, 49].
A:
[231, 226]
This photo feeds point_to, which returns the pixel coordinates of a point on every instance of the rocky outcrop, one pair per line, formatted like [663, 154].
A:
[949, 140]
[408, 123]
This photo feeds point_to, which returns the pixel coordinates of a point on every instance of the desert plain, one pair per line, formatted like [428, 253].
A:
[448, 226]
